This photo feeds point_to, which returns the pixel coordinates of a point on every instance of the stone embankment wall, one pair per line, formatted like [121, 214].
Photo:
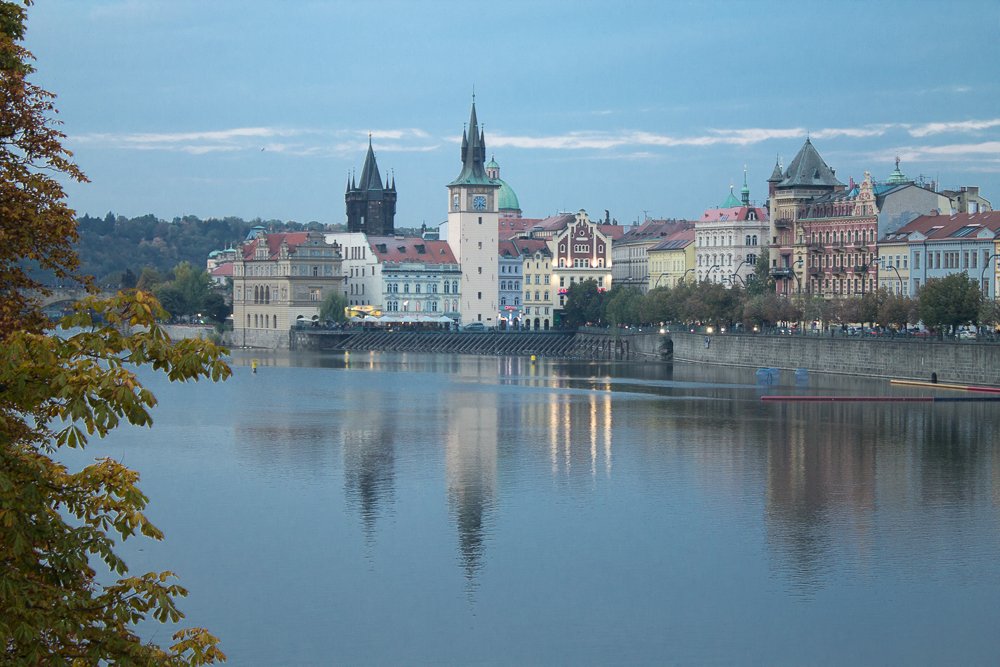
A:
[957, 362]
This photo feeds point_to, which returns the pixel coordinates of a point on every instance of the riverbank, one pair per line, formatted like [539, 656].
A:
[959, 362]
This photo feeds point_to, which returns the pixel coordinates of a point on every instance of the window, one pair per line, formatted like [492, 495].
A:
[916, 260]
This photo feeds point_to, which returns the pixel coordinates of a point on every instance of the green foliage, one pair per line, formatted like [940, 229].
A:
[58, 390]
[188, 292]
[110, 245]
[896, 310]
[989, 312]
[761, 282]
[333, 307]
[950, 301]
[623, 306]
[584, 305]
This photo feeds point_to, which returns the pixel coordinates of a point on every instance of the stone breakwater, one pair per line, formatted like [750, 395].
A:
[957, 362]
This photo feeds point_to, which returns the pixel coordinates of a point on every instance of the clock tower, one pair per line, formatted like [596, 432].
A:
[473, 221]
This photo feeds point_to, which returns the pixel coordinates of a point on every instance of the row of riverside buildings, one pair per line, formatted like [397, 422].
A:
[487, 263]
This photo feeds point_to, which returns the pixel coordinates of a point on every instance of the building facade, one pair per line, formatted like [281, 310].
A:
[280, 280]
[362, 279]
[729, 238]
[630, 260]
[939, 245]
[672, 260]
[417, 276]
[473, 221]
[581, 251]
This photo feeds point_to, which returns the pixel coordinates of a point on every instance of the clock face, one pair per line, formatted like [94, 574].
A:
[479, 203]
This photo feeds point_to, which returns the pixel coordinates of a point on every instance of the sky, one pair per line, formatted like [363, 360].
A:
[644, 109]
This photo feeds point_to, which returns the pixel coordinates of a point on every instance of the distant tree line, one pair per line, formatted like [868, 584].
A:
[111, 245]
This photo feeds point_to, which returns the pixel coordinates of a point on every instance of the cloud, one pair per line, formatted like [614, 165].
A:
[928, 129]
[300, 142]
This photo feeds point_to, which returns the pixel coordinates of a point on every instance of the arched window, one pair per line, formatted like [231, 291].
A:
[275, 322]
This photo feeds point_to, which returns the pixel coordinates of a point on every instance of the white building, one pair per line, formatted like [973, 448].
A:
[473, 221]
[362, 280]
[728, 240]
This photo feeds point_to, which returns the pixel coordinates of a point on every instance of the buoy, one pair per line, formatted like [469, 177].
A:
[532, 358]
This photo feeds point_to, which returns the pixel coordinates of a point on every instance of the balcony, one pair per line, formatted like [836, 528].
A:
[783, 223]
[815, 247]
[838, 269]
[781, 272]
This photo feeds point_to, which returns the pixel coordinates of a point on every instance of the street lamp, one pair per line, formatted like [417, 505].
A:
[709, 272]
[737, 271]
[982, 276]
[878, 262]
[686, 273]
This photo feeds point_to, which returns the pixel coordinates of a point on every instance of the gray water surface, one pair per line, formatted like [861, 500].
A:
[398, 509]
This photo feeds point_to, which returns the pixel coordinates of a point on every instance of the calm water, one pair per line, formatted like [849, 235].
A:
[421, 509]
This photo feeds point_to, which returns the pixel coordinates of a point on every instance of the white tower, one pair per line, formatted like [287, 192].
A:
[473, 221]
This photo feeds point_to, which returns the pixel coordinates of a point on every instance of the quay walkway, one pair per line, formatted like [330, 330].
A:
[566, 344]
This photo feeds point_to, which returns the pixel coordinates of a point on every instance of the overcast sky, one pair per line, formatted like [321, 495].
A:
[262, 109]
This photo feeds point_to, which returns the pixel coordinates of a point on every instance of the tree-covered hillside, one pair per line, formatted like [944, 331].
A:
[110, 245]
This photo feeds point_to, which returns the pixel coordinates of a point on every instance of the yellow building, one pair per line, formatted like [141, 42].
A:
[673, 260]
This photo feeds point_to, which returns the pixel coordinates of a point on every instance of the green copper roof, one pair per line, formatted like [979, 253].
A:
[897, 177]
[731, 200]
[473, 155]
[506, 199]
[492, 164]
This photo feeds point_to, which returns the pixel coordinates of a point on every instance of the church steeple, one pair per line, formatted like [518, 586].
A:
[745, 190]
[370, 178]
[371, 204]
[473, 154]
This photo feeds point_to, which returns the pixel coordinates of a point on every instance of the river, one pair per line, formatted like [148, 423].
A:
[389, 508]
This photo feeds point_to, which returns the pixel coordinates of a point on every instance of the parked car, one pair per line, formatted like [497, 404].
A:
[474, 326]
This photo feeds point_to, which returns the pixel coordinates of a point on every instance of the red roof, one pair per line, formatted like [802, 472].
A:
[411, 249]
[223, 270]
[733, 213]
[511, 227]
[522, 247]
[938, 227]
[274, 243]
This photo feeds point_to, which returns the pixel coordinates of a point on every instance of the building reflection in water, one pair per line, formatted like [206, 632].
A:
[831, 466]
[471, 463]
[369, 466]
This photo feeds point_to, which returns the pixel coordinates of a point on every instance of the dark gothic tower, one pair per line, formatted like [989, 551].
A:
[371, 205]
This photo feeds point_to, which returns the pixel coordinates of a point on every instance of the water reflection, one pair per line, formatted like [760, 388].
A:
[359, 489]
[471, 471]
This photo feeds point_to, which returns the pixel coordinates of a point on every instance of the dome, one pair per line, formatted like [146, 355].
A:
[492, 164]
[506, 199]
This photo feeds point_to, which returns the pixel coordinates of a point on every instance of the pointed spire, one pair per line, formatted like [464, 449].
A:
[776, 175]
[370, 178]
[745, 190]
[473, 153]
